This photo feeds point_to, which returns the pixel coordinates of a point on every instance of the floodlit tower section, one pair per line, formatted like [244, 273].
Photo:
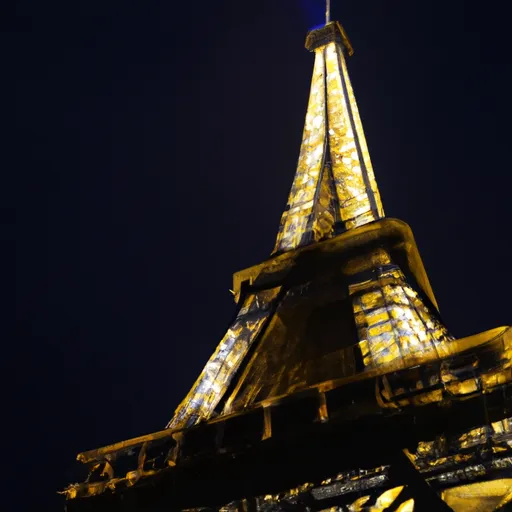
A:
[334, 202]
[336, 386]
[334, 189]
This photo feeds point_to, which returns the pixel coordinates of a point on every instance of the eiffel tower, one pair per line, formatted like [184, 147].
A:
[337, 386]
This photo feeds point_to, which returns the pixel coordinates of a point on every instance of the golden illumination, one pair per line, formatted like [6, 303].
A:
[352, 169]
[300, 203]
[213, 381]
[358, 505]
[334, 181]
[387, 498]
[480, 496]
[406, 506]
[283, 340]
[393, 323]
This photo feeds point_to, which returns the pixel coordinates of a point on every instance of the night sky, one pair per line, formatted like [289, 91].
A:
[152, 146]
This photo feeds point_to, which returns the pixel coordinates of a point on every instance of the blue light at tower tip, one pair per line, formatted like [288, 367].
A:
[315, 12]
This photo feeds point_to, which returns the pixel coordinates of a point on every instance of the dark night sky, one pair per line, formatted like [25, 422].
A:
[152, 147]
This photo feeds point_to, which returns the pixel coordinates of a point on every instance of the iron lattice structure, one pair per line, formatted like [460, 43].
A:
[337, 386]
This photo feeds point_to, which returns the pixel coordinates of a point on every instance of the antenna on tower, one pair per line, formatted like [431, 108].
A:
[327, 11]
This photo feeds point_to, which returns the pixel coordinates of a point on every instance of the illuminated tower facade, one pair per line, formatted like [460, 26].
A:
[337, 386]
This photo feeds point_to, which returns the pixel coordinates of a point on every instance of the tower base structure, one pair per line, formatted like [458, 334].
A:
[353, 396]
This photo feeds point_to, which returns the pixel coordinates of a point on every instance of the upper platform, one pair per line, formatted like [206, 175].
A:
[332, 32]
[394, 234]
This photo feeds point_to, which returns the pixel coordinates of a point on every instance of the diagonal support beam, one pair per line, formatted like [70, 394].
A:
[426, 499]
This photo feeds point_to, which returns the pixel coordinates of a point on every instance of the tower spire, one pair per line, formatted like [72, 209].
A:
[334, 189]
[327, 11]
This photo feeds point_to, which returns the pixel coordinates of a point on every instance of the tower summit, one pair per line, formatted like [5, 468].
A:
[334, 189]
[337, 386]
